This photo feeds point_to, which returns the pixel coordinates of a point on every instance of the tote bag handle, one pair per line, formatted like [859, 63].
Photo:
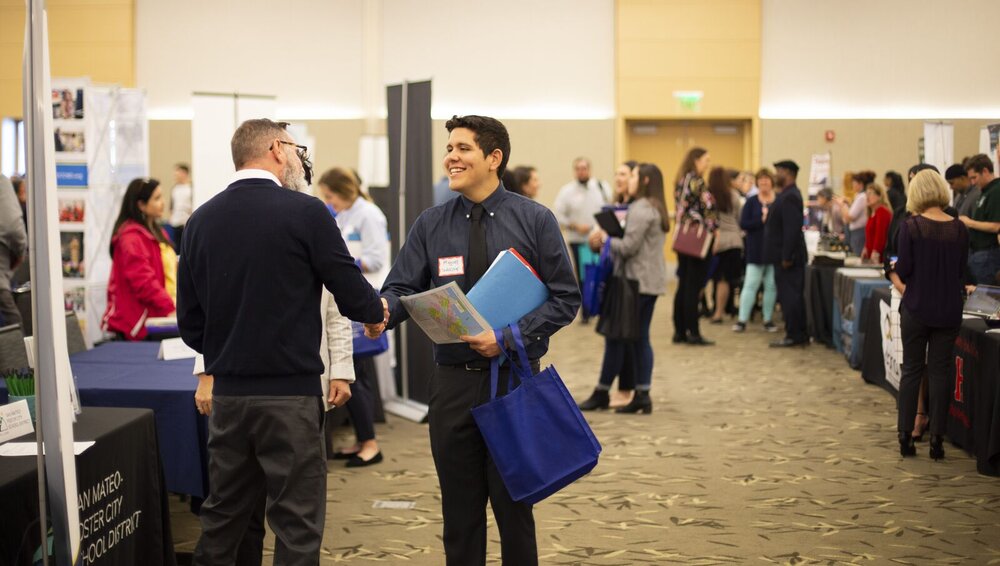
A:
[519, 364]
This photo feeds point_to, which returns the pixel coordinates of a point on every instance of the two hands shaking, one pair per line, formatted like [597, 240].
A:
[373, 331]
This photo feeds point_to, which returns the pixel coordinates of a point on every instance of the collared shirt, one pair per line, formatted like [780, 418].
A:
[180, 204]
[511, 221]
[244, 174]
[577, 203]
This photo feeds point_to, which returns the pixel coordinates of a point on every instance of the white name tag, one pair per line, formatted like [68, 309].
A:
[451, 266]
[15, 420]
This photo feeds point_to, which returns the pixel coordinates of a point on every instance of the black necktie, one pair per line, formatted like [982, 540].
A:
[477, 246]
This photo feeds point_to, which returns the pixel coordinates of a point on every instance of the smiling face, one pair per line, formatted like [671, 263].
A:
[871, 197]
[468, 169]
[702, 163]
[153, 208]
[633, 182]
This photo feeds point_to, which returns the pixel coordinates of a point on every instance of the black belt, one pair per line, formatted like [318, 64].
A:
[476, 365]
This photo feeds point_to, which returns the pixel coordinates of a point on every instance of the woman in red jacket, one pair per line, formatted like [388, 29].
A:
[137, 288]
[877, 228]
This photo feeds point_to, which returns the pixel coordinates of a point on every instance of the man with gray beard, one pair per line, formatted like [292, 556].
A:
[253, 262]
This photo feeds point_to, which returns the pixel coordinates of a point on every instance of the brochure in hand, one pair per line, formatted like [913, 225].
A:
[508, 290]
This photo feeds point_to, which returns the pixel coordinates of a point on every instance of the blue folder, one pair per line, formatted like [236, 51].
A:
[507, 291]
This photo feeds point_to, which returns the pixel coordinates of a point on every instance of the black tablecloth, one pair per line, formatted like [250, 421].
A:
[819, 302]
[124, 516]
[974, 414]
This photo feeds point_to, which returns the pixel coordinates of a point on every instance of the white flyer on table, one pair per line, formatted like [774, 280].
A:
[444, 314]
[15, 420]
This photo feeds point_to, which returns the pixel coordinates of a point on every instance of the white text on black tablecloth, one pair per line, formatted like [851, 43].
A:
[105, 521]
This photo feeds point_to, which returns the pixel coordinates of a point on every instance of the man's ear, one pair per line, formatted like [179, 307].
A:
[495, 158]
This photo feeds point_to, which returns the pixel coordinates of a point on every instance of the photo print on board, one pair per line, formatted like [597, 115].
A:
[72, 254]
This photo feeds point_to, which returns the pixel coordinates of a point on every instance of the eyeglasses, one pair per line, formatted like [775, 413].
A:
[301, 153]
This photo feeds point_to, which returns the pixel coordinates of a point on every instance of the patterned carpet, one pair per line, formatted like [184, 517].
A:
[751, 455]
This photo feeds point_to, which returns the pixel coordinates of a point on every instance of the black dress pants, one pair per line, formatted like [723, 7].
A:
[691, 273]
[468, 476]
[361, 405]
[791, 284]
[931, 349]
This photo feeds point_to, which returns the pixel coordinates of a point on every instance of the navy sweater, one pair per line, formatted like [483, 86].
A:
[253, 262]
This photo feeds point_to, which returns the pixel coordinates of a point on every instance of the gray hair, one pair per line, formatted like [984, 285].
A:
[251, 138]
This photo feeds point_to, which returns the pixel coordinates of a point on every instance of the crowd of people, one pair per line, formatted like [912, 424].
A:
[934, 235]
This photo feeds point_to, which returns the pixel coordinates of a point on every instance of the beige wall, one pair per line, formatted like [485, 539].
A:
[87, 38]
[712, 46]
[549, 145]
[879, 145]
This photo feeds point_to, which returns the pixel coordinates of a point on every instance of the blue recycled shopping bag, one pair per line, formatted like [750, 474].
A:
[595, 280]
[537, 436]
[365, 346]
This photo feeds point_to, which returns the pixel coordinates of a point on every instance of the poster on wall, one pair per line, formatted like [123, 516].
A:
[72, 209]
[67, 100]
[819, 173]
[73, 265]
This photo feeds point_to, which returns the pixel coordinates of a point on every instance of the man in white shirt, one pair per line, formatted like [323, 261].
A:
[180, 201]
[575, 207]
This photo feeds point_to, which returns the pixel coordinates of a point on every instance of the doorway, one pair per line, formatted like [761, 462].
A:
[666, 142]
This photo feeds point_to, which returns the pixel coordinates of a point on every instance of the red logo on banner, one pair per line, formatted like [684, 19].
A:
[959, 378]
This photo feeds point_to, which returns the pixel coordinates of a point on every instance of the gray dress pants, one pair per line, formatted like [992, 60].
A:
[257, 447]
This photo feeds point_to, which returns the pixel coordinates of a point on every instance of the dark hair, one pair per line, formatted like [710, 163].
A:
[688, 166]
[522, 175]
[489, 133]
[894, 181]
[825, 193]
[16, 182]
[979, 163]
[139, 190]
[718, 185]
[955, 171]
[183, 167]
[921, 167]
[651, 187]
[631, 164]
[343, 183]
[864, 177]
[510, 183]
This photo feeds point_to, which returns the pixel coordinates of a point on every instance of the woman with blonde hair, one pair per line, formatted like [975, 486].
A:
[932, 252]
[879, 219]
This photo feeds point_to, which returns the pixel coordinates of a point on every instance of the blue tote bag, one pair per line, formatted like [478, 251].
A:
[365, 346]
[537, 436]
[595, 281]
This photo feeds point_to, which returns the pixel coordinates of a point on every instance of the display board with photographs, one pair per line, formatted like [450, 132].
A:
[72, 209]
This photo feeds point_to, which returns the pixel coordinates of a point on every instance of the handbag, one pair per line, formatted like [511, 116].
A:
[535, 434]
[595, 279]
[620, 309]
[692, 239]
[365, 346]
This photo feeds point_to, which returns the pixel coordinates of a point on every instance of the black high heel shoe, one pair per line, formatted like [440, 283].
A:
[641, 403]
[937, 446]
[906, 447]
[599, 399]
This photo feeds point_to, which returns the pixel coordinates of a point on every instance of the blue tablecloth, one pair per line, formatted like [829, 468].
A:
[127, 374]
[849, 296]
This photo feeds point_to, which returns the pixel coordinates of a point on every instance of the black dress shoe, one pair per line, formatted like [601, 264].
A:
[599, 399]
[906, 447]
[699, 341]
[937, 446]
[679, 338]
[788, 343]
[343, 455]
[358, 462]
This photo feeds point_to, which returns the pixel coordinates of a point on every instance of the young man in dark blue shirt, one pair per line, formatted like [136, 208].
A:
[456, 241]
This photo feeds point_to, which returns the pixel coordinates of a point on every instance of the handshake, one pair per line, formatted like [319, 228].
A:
[373, 331]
